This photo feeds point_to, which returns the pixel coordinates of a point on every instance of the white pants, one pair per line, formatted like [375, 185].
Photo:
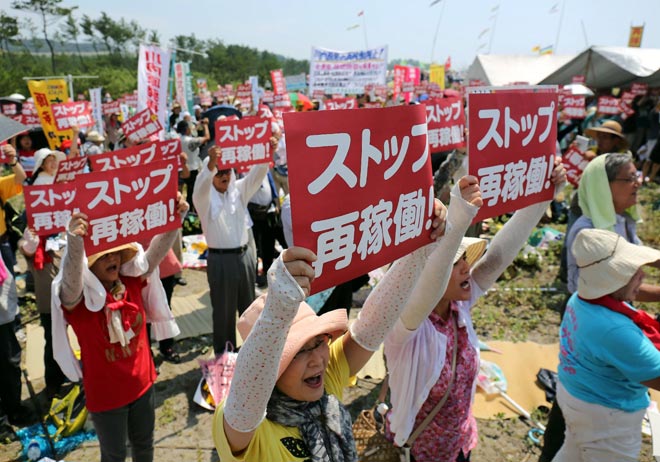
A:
[596, 433]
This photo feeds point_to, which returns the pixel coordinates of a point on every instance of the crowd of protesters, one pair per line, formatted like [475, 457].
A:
[299, 351]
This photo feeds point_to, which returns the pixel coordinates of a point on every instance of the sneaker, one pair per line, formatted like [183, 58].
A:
[182, 282]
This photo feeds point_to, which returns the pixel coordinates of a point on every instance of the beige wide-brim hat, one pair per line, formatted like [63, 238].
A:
[128, 251]
[95, 137]
[41, 155]
[305, 326]
[606, 261]
[609, 126]
[473, 248]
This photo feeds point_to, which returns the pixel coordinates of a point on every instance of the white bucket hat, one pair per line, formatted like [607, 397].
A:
[41, 155]
[607, 261]
[472, 247]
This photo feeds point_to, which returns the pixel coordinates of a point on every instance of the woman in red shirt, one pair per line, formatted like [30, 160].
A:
[108, 302]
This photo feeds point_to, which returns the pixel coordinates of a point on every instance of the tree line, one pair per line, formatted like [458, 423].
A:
[58, 42]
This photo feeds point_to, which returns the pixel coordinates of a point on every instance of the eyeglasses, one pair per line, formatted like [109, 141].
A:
[631, 179]
[304, 352]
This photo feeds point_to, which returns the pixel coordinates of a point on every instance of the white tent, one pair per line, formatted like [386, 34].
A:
[605, 67]
[497, 70]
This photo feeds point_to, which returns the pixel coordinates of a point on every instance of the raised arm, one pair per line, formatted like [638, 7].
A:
[384, 304]
[512, 237]
[256, 370]
[12, 161]
[465, 203]
[72, 262]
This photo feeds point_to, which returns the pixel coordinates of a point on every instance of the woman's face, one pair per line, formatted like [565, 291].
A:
[106, 269]
[49, 166]
[25, 143]
[303, 379]
[458, 288]
[629, 291]
[624, 187]
[607, 142]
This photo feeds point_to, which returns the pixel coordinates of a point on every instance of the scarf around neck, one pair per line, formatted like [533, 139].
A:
[325, 425]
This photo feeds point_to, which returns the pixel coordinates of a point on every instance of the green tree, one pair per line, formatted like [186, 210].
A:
[8, 32]
[71, 32]
[50, 12]
[154, 37]
[87, 27]
[104, 26]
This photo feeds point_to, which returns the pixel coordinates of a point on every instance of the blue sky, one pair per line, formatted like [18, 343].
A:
[292, 27]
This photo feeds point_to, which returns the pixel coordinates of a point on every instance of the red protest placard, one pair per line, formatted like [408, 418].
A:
[627, 97]
[28, 109]
[122, 207]
[626, 110]
[361, 188]
[8, 109]
[49, 207]
[578, 79]
[136, 155]
[131, 100]
[265, 112]
[244, 94]
[244, 142]
[639, 88]
[279, 84]
[281, 101]
[68, 169]
[142, 125]
[446, 120]
[340, 103]
[372, 105]
[318, 93]
[268, 96]
[28, 120]
[575, 163]
[511, 147]
[574, 107]
[381, 91]
[68, 115]
[113, 107]
[608, 105]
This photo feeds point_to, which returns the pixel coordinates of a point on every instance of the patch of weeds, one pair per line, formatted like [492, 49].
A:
[167, 412]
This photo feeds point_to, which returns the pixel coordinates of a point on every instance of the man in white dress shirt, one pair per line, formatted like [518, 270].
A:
[221, 202]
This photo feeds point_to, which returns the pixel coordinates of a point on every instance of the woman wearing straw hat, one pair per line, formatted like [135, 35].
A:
[607, 360]
[108, 298]
[432, 352]
[285, 398]
[609, 138]
[43, 258]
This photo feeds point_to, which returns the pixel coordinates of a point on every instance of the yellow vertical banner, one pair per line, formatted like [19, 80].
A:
[44, 93]
[437, 75]
[635, 39]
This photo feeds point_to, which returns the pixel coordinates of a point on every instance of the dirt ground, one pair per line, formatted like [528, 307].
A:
[183, 429]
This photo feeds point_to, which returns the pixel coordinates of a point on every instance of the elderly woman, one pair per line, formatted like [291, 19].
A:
[606, 361]
[432, 353]
[293, 411]
[108, 298]
[608, 199]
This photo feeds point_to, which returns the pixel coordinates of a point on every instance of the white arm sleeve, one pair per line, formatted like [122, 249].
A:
[258, 360]
[433, 281]
[387, 299]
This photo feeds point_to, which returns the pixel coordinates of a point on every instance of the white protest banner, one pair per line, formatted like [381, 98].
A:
[180, 86]
[97, 108]
[297, 82]
[346, 72]
[254, 82]
[153, 75]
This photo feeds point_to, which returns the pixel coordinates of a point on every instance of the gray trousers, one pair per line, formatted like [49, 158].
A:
[231, 278]
[135, 421]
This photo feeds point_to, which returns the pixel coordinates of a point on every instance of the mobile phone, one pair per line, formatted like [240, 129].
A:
[582, 142]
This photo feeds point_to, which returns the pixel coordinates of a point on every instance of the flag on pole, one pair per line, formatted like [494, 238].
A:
[554, 9]
[483, 32]
[546, 50]
[361, 13]
[448, 63]
[635, 39]
[536, 49]
[354, 26]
